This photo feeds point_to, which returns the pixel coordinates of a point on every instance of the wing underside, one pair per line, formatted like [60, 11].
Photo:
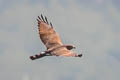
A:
[47, 34]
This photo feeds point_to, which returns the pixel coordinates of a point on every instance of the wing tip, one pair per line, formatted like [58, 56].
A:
[44, 19]
[51, 25]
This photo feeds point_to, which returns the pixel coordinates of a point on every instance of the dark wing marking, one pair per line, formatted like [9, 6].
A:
[46, 20]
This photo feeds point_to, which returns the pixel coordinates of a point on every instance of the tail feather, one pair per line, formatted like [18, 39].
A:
[37, 56]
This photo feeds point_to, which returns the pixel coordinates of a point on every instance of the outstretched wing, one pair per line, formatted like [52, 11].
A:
[47, 34]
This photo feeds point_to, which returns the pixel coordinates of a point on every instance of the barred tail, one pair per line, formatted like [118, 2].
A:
[37, 56]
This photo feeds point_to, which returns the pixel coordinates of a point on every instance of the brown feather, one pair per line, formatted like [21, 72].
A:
[51, 39]
[61, 51]
[48, 36]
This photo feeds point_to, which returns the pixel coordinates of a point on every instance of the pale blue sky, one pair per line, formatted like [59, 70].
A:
[91, 25]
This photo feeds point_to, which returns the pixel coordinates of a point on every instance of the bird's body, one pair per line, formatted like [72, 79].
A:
[52, 41]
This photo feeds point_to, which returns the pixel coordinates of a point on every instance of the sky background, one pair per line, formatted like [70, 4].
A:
[93, 26]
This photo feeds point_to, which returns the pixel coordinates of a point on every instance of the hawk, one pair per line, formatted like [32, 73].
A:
[51, 40]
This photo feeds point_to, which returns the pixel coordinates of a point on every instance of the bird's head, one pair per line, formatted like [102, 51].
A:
[69, 47]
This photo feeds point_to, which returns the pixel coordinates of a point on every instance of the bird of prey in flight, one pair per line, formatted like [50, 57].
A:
[51, 40]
